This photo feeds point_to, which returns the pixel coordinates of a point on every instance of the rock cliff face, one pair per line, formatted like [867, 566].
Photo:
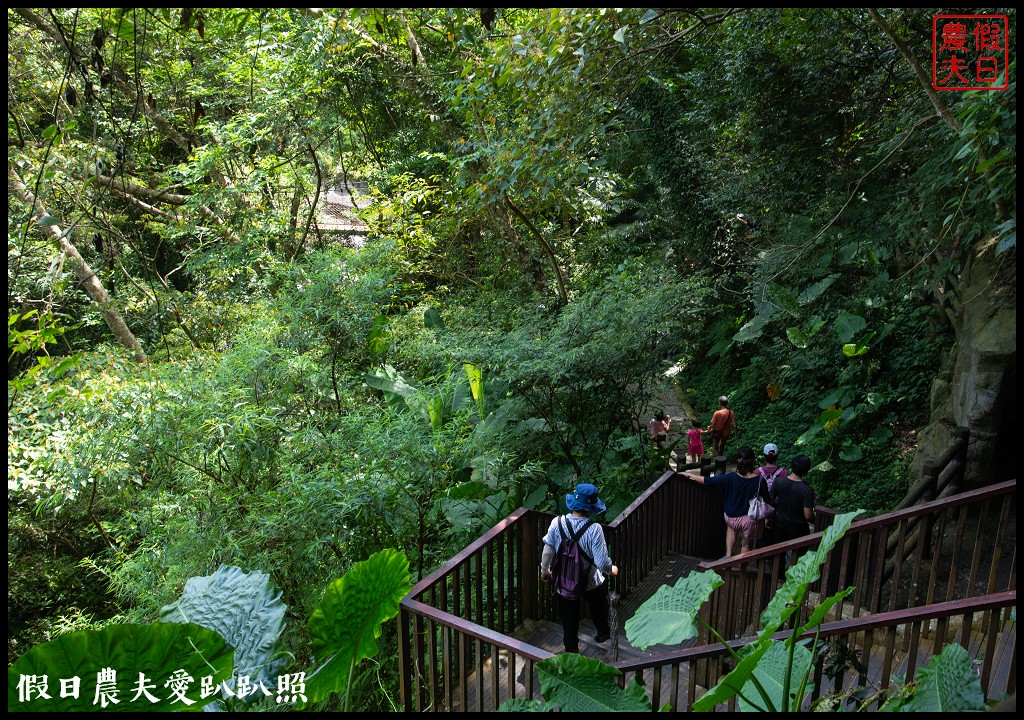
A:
[979, 388]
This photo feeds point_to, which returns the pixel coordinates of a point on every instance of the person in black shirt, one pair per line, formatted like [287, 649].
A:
[794, 502]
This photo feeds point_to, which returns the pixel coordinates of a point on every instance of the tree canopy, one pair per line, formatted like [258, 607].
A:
[571, 212]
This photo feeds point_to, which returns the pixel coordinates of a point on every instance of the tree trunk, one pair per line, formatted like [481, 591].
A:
[546, 247]
[86, 275]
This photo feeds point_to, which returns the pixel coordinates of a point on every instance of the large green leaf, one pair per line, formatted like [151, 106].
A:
[476, 385]
[346, 624]
[397, 390]
[388, 380]
[818, 616]
[753, 328]
[802, 573]
[432, 319]
[580, 684]
[157, 651]
[733, 683]
[518, 704]
[668, 617]
[782, 605]
[848, 325]
[771, 673]
[798, 337]
[815, 290]
[948, 683]
[243, 608]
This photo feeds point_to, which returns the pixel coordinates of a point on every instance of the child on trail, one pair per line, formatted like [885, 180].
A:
[659, 426]
[695, 449]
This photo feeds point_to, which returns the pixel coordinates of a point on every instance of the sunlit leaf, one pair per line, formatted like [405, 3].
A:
[668, 617]
[245, 609]
[346, 624]
[948, 683]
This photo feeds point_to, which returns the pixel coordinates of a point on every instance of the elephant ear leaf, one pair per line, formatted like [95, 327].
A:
[771, 671]
[149, 655]
[246, 610]
[574, 683]
[669, 617]
[346, 624]
[948, 683]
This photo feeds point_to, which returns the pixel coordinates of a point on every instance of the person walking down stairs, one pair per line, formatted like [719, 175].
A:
[723, 424]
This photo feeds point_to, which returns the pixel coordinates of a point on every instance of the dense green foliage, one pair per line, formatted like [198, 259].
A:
[564, 204]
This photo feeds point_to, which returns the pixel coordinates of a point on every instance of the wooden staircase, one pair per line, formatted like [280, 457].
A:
[942, 571]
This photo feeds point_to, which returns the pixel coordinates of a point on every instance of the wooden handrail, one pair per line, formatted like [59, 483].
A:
[886, 574]
[929, 485]
[478, 632]
[644, 496]
[998, 601]
[467, 552]
[867, 524]
[705, 665]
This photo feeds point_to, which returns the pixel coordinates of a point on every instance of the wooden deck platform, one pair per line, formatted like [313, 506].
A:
[548, 636]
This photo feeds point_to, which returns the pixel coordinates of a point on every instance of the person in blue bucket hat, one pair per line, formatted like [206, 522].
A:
[583, 503]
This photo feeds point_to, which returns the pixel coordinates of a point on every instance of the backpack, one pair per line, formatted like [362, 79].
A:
[718, 434]
[569, 568]
[770, 479]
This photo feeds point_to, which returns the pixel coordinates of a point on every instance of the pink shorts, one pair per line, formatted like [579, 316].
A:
[747, 527]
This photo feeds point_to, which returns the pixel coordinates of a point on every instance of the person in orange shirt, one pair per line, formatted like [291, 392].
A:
[723, 423]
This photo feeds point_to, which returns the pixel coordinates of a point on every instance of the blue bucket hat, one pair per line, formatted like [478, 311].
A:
[585, 499]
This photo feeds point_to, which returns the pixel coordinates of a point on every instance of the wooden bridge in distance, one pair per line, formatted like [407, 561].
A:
[338, 208]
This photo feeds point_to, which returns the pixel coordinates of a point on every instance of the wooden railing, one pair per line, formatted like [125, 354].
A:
[945, 474]
[456, 650]
[965, 547]
[674, 515]
[493, 586]
[897, 642]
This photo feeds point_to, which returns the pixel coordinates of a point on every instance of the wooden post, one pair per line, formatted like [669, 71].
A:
[705, 465]
[929, 492]
[531, 566]
[931, 488]
[720, 461]
[405, 679]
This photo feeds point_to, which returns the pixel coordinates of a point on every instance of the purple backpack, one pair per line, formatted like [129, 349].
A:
[569, 569]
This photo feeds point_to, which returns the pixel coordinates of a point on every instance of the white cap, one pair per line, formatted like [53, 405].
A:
[723, 399]
[771, 449]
